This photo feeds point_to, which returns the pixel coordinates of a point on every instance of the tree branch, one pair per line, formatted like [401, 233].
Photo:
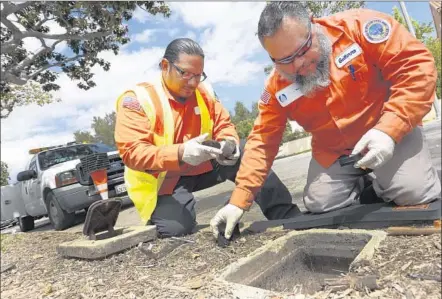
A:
[9, 77]
[13, 8]
[28, 60]
[65, 36]
[31, 76]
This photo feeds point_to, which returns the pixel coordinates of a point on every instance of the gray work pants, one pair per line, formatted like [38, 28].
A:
[175, 214]
[409, 178]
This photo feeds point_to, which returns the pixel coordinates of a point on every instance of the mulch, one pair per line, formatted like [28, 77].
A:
[405, 267]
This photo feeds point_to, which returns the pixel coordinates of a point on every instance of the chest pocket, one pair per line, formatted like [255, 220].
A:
[355, 82]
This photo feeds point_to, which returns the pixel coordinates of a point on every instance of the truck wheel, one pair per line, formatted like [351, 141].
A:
[59, 218]
[26, 223]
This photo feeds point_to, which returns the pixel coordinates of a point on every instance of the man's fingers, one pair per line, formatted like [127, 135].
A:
[366, 161]
[230, 225]
[360, 146]
[214, 225]
[202, 137]
[211, 150]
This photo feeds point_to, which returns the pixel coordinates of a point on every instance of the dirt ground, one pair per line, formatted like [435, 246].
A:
[168, 268]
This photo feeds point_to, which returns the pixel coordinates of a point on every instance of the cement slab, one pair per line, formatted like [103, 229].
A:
[98, 249]
[256, 261]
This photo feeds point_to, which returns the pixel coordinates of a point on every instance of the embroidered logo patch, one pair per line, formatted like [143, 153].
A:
[131, 103]
[347, 55]
[265, 97]
[377, 31]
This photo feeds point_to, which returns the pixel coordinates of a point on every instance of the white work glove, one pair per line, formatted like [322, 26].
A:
[230, 215]
[230, 160]
[380, 149]
[195, 153]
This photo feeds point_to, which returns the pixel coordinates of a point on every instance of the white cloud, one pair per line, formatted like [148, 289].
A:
[144, 37]
[190, 34]
[228, 39]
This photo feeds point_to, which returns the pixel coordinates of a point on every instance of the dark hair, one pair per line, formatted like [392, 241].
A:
[182, 45]
[275, 12]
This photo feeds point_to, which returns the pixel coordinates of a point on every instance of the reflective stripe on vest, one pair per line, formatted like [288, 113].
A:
[143, 187]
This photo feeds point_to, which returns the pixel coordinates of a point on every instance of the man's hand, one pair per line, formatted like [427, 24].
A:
[194, 153]
[230, 215]
[229, 155]
[380, 149]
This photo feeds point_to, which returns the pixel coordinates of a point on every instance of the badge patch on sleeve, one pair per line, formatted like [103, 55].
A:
[377, 31]
[265, 97]
[131, 103]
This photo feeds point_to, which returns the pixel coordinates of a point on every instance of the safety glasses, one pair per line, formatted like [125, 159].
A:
[188, 75]
[300, 52]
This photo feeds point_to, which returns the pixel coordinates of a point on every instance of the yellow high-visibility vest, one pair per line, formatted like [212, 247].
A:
[143, 187]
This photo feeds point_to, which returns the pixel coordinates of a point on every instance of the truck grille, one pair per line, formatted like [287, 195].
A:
[114, 171]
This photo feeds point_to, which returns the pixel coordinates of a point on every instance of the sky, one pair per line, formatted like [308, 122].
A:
[234, 64]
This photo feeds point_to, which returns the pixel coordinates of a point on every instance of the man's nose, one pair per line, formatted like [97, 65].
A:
[307, 69]
[193, 82]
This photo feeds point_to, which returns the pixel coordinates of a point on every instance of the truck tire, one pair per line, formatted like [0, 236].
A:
[26, 223]
[59, 218]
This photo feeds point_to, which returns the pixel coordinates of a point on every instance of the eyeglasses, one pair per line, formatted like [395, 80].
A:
[188, 75]
[300, 52]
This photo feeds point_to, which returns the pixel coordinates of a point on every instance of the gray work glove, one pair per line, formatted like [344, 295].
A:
[230, 152]
[195, 153]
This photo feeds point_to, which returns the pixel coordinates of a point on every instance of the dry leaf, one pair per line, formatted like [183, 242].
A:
[194, 283]
[48, 289]
[404, 267]
[398, 288]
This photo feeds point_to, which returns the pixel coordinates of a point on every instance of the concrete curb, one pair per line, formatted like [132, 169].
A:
[246, 292]
[89, 249]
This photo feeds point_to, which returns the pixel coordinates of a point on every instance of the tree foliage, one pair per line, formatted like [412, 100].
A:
[90, 27]
[4, 176]
[244, 119]
[326, 8]
[21, 95]
[103, 131]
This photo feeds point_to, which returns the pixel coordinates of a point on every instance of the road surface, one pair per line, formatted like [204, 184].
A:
[291, 170]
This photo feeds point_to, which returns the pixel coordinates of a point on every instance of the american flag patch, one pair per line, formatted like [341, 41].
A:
[131, 103]
[265, 97]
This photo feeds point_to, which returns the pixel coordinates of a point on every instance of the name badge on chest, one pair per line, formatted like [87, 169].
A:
[348, 54]
[288, 95]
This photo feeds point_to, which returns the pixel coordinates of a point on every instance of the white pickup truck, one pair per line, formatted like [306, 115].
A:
[54, 185]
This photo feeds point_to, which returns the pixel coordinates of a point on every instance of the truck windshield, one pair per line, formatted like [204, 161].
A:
[56, 156]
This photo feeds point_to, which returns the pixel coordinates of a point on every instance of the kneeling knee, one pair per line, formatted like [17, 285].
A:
[417, 192]
[173, 228]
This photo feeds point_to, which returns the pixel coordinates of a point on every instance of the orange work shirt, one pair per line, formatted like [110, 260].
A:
[134, 136]
[381, 77]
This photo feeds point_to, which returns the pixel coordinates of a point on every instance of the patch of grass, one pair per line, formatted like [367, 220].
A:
[7, 239]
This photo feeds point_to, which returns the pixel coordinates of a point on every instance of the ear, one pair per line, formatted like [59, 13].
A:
[164, 64]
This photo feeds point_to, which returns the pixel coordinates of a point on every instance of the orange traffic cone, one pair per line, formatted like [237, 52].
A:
[100, 181]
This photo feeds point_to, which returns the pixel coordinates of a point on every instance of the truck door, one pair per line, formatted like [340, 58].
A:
[32, 195]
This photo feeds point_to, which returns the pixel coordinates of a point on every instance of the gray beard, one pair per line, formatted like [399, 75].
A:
[321, 77]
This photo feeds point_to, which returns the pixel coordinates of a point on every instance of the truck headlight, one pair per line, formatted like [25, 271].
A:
[65, 178]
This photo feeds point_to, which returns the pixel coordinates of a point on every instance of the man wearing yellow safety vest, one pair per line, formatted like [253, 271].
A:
[160, 127]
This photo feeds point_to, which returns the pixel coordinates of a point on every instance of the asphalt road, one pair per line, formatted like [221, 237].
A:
[291, 170]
